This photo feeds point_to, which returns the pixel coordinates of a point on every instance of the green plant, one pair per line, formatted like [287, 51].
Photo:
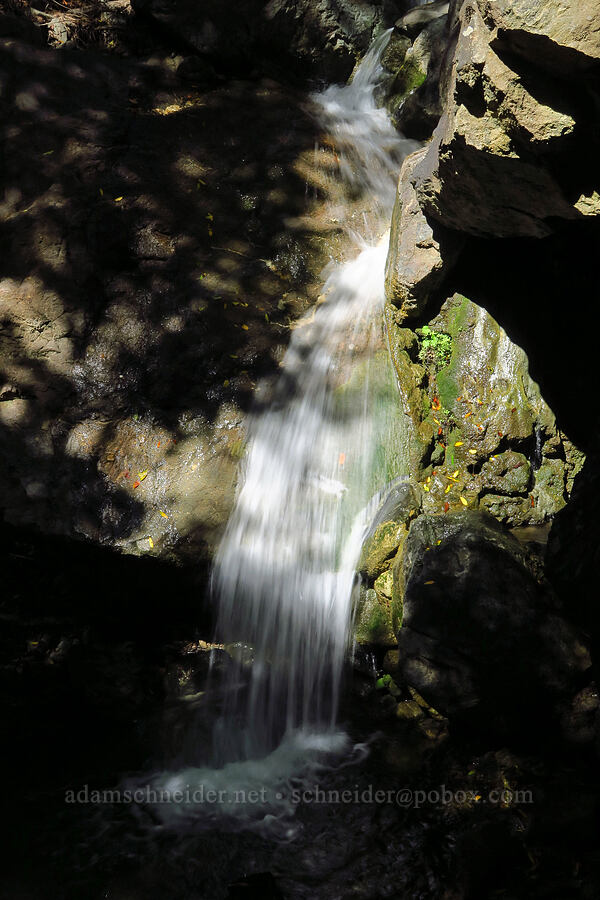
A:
[436, 348]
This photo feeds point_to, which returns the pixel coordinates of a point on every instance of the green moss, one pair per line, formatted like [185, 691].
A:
[409, 78]
[373, 625]
[380, 547]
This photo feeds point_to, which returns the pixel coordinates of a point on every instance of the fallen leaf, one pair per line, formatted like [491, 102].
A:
[430, 582]
[466, 415]
[135, 484]
[472, 452]
[245, 327]
[446, 507]
[142, 475]
[448, 489]
[463, 501]
[163, 514]
[151, 542]
[118, 199]
[455, 474]
[226, 382]
[459, 443]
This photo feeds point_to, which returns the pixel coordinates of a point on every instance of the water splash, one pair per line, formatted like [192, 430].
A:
[321, 442]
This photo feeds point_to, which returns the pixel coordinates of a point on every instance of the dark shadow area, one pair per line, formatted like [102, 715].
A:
[155, 249]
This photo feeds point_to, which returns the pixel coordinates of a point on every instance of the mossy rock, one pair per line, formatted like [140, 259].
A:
[550, 487]
[394, 54]
[372, 624]
[379, 549]
[383, 585]
[507, 473]
[409, 77]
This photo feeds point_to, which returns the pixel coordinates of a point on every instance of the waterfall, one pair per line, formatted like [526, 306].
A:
[320, 443]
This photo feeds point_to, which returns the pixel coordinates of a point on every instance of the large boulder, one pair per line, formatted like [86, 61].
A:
[493, 168]
[481, 640]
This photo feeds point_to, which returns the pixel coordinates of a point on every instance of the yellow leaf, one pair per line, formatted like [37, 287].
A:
[472, 452]
[233, 356]
[447, 491]
[439, 542]
[430, 582]
[48, 152]
[163, 514]
[101, 192]
[458, 443]
[455, 474]
[245, 327]
[118, 199]
[142, 475]
[463, 501]
[210, 217]
[426, 488]
[151, 542]
[226, 382]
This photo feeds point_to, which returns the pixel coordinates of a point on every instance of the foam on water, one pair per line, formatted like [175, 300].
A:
[318, 451]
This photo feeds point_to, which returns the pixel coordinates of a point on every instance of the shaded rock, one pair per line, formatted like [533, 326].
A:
[415, 102]
[322, 39]
[421, 254]
[573, 553]
[480, 638]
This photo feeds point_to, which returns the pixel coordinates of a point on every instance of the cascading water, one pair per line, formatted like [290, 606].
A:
[321, 443]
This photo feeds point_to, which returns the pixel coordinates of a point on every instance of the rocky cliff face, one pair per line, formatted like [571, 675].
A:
[493, 252]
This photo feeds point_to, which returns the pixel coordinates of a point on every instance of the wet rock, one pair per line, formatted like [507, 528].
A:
[480, 639]
[414, 101]
[381, 547]
[372, 624]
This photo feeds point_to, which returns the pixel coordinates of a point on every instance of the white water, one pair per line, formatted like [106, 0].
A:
[318, 449]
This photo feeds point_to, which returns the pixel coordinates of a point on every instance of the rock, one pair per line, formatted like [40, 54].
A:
[372, 623]
[561, 36]
[489, 169]
[480, 639]
[414, 21]
[573, 553]
[410, 710]
[414, 103]
[380, 547]
[421, 253]
[322, 39]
